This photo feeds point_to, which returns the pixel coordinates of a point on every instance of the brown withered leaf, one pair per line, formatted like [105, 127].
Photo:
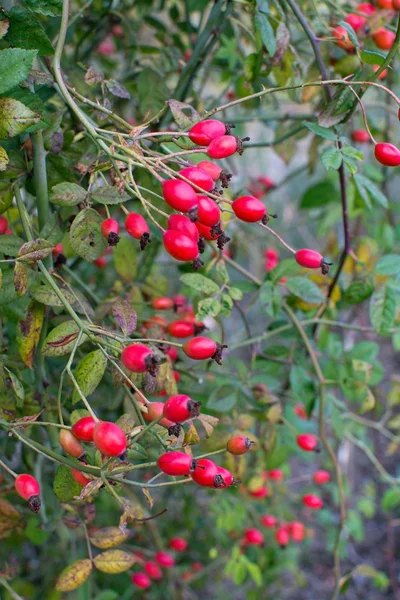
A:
[28, 332]
[125, 316]
[209, 423]
[148, 496]
[20, 279]
[25, 421]
[35, 250]
[74, 575]
[132, 512]
[90, 489]
[191, 436]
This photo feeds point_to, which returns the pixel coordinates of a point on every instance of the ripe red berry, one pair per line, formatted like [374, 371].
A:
[156, 321]
[153, 570]
[171, 352]
[253, 537]
[249, 209]
[311, 259]
[204, 132]
[162, 303]
[275, 475]
[396, 4]
[3, 225]
[27, 487]
[205, 472]
[321, 477]
[154, 411]
[57, 250]
[223, 478]
[375, 68]
[261, 492]
[165, 559]
[206, 232]
[366, 8]
[312, 501]
[300, 412]
[213, 170]
[136, 226]
[282, 536]
[181, 329]
[180, 246]
[100, 262]
[383, 38]
[179, 195]
[208, 212]
[83, 429]
[297, 531]
[70, 444]
[387, 154]
[224, 146]
[266, 182]
[109, 439]
[238, 445]
[385, 4]
[199, 177]
[269, 521]
[176, 463]
[178, 544]
[180, 408]
[141, 580]
[139, 358]
[307, 442]
[80, 477]
[356, 21]
[109, 226]
[361, 136]
[342, 38]
[200, 348]
[184, 225]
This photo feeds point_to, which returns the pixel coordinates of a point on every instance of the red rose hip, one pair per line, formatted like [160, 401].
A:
[27, 487]
[387, 154]
[307, 442]
[176, 463]
[200, 348]
[109, 439]
[179, 195]
[83, 429]
[180, 408]
[249, 209]
[204, 132]
[239, 445]
[199, 177]
[224, 146]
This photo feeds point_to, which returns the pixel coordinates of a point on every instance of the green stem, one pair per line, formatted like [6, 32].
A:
[6, 468]
[8, 587]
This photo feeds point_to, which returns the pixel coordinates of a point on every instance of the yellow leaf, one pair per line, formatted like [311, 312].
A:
[114, 561]
[108, 537]
[28, 332]
[74, 576]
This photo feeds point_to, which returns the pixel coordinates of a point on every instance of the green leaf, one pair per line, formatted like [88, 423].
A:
[266, 31]
[235, 293]
[154, 102]
[28, 332]
[34, 250]
[86, 237]
[323, 132]
[222, 272]
[67, 194]
[369, 187]
[15, 117]
[62, 339]
[285, 268]
[50, 8]
[125, 259]
[64, 485]
[270, 298]
[372, 57]
[331, 158]
[35, 534]
[117, 89]
[391, 499]
[359, 290]
[17, 387]
[382, 310]
[44, 293]
[10, 244]
[351, 32]
[26, 31]
[200, 283]
[319, 195]
[352, 152]
[222, 399]
[305, 289]
[34, 103]
[108, 195]
[388, 265]
[3, 159]
[89, 373]
[15, 66]
[226, 305]
[184, 115]
[209, 307]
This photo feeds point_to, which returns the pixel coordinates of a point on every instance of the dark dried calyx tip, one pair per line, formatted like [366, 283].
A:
[60, 260]
[216, 229]
[144, 240]
[83, 458]
[228, 127]
[265, 219]
[222, 240]
[199, 328]
[225, 178]
[248, 443]
[197, 264]
[34, 503]
[325, 267]
[175, 429]
[193, 214]
[240, 147]
[123, 456]
[152, 363]
[113, 239]
[194, 408]
[217, 356]
[201, 245]
[193, 465]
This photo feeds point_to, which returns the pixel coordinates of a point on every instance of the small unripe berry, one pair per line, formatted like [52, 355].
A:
[238, 445]
[80, 477]
[261, 492]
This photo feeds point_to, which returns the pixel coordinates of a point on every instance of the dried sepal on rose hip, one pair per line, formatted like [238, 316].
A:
[311, 259]
[180, 408]
[27, 487]
[139, 358]
[238, 445]
[137, 227]
[110, 230]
